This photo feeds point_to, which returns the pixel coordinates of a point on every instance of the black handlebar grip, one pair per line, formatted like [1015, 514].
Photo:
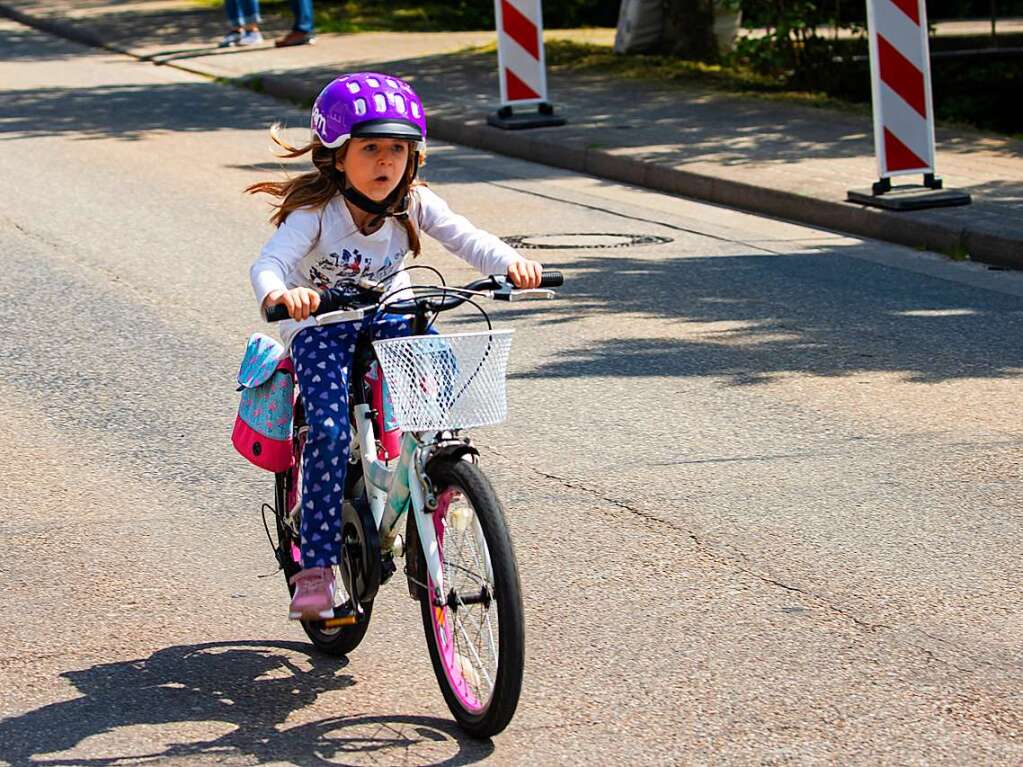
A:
[276, 313]
[330, 300]
[551, 278]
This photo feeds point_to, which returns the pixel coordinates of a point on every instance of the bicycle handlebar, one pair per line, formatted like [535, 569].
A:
[442, 298]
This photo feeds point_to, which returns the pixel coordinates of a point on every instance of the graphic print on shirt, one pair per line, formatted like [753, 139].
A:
[391, 265]
[336, 269]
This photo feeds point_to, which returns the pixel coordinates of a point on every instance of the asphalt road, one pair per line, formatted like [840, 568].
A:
[763, 480]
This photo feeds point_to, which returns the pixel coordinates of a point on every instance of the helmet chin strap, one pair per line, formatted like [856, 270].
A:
[380, 210]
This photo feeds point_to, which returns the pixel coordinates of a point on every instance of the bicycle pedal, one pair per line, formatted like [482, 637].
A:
[338, 621]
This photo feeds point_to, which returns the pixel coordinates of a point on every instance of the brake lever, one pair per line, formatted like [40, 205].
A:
[509, 293]
[340, 315]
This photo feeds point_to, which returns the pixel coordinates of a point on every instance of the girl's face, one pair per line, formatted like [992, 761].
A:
[374, 166]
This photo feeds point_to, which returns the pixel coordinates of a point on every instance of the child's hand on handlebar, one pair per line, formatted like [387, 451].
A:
[525, 273]
[300, 302]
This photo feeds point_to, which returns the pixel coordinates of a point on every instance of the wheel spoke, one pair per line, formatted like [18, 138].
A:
[481, 543]
[482, 666]
[461, 547]
[479, 626]
[479, 581]
[460, 576]
[464, 613]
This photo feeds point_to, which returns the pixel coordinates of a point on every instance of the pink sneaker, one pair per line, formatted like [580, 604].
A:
[314, 594]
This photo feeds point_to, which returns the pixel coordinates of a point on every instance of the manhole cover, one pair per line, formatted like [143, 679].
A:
[582, 240]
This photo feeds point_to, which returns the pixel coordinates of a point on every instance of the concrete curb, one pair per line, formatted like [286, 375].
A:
[878, 224]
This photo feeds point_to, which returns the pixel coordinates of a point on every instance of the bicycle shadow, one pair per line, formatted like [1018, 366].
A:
[246, 691]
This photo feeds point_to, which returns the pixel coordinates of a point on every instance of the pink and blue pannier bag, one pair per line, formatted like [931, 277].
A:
[262, 430]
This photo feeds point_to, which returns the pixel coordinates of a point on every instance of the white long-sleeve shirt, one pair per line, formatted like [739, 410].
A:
[321, 248]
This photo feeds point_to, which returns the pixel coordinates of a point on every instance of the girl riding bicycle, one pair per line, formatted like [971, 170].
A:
[351, 223]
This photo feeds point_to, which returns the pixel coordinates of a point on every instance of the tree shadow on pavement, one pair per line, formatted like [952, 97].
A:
[222, 700]
[129, 111]
[663, 123]
[746, 318]
[138, 27]
[18, 43]
[1004, 192]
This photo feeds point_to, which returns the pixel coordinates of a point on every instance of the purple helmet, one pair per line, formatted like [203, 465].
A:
[368, 105]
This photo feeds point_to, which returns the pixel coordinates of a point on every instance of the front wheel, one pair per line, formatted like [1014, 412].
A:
[476, 637]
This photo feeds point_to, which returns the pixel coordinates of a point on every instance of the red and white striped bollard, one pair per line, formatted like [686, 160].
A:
[900, 74]
[521, 67]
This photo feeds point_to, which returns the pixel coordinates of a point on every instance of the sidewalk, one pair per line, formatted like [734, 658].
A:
[758, 155]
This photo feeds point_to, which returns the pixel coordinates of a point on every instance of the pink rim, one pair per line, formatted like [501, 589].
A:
[439, 617]
[297, 445]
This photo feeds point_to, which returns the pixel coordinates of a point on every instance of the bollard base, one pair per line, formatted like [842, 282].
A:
[506, 119]
[908, 197]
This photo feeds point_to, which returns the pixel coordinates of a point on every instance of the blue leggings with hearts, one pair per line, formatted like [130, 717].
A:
[323, 358]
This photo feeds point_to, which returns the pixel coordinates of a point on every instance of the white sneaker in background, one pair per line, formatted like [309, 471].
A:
[251, 37]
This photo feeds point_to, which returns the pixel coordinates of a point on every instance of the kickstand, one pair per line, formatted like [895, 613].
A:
[274, 546]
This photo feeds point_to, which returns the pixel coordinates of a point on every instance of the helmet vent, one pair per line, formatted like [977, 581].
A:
[380, 102]
[354, 87]
[392, 83]
[399, 103]
[372, 82]
[415, 110]
[360, 106]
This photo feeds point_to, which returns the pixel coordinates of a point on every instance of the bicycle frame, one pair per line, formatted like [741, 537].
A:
[391, 490]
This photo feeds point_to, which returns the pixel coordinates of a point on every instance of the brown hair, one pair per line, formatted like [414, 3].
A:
[316, 188]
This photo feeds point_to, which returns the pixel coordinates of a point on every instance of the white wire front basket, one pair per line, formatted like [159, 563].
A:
[453, 381]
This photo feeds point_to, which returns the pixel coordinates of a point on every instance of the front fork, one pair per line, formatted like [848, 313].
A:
[427, 535]
[391, 490]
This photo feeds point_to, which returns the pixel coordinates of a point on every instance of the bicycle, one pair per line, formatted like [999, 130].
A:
[459, 560]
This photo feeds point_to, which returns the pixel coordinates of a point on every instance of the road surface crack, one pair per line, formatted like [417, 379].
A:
[729, 560]
[653, 519]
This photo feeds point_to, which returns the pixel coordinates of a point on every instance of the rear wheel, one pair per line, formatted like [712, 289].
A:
[476, 637]
[336, 640]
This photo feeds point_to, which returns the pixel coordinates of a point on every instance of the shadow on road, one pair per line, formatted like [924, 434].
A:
[222, 700]
[18, 43]
[129, 112]
[749, 317]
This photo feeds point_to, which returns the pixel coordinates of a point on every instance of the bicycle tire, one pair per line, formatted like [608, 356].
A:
[336, 641]
[484, 720]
